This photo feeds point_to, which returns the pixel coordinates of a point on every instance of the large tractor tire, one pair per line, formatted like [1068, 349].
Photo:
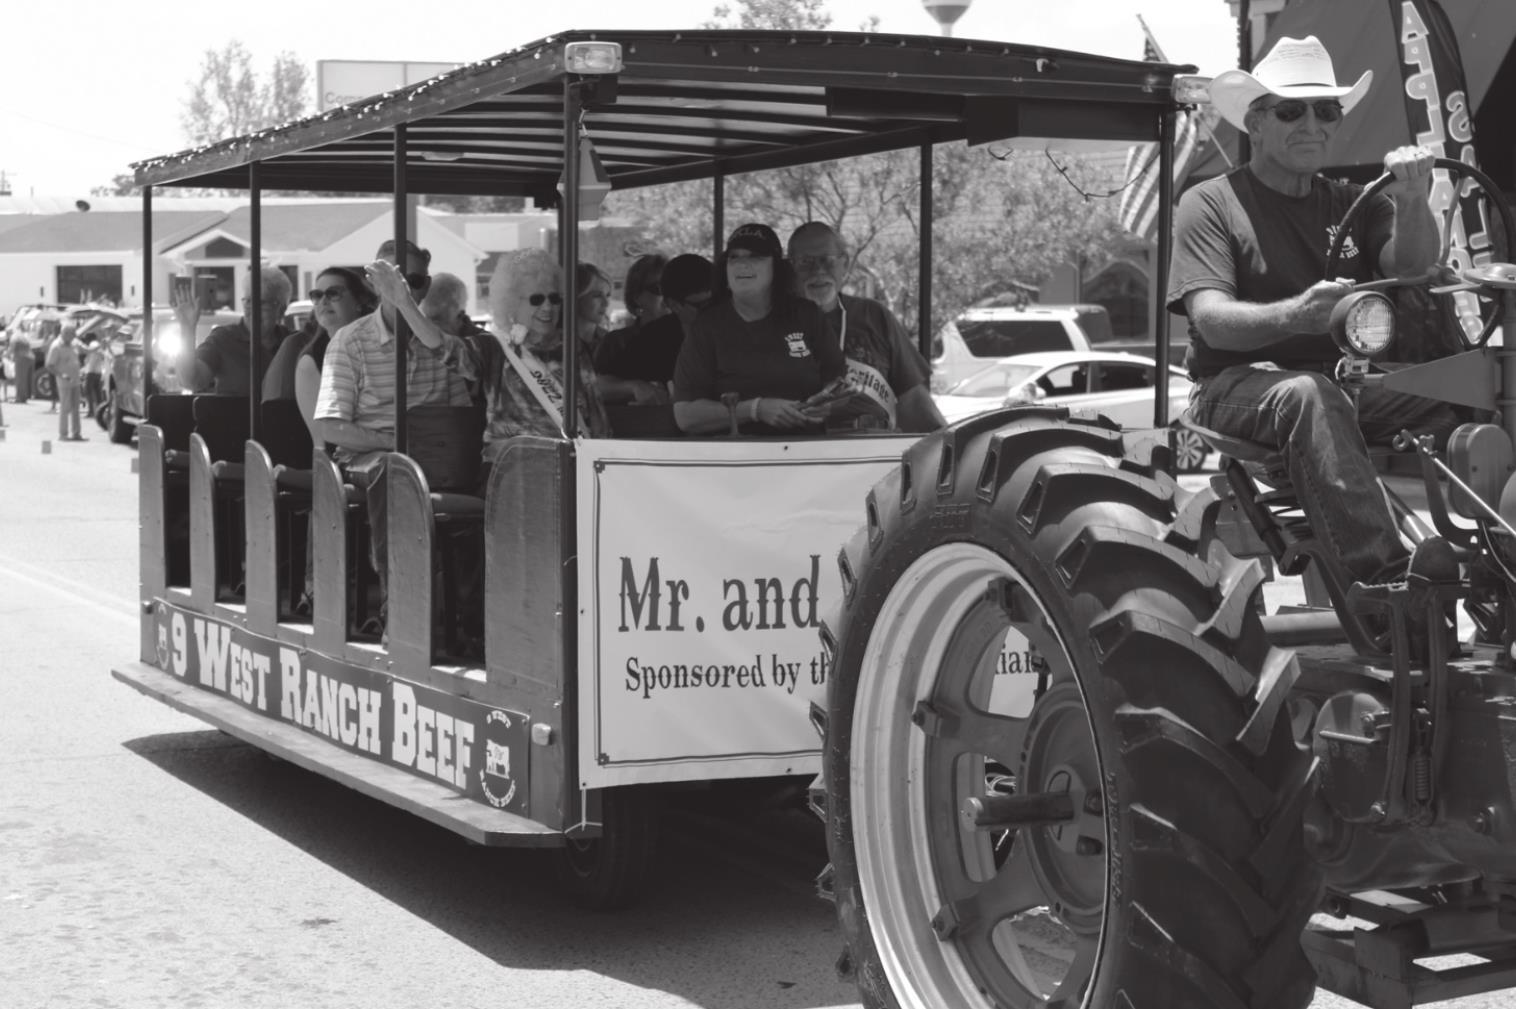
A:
[1122, 829]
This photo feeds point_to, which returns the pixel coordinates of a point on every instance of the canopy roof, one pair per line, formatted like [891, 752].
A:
[692, 105]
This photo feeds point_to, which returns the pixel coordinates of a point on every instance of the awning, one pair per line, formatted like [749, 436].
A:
[1364, 35]
[690, 105]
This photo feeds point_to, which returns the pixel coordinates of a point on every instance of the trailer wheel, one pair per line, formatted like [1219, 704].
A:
[610, 872]
[44, 385]
[1138, 787]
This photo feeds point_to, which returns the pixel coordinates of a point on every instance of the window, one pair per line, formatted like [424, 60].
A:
[78, 284]
[996, 381]
[1114, 377]
[1005, 337]
[1069, 380]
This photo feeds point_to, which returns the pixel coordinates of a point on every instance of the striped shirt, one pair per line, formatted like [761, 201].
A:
[358, 375]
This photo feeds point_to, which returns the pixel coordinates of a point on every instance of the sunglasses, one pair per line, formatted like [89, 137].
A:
[655, 289]
[1328, 110]
[417, 280]
[536, 300]
[318, 295]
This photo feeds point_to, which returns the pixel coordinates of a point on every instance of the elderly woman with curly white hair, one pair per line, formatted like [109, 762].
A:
[524, 370]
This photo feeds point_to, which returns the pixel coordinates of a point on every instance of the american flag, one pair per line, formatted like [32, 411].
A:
[1138, 209]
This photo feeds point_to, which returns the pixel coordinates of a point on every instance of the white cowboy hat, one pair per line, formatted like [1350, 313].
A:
[1294, 68]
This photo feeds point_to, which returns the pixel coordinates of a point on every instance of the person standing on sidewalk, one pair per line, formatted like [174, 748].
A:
[97, 362]
[21, 364]
[63, 362]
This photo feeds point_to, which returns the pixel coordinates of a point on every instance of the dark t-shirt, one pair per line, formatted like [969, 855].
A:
[875, 338]
[1236, 235]
[279, 379]
[786, 354]
[316, 349]
[227, 352]
[647, 352]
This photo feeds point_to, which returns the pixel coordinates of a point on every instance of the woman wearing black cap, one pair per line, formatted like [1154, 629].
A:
[759, 351]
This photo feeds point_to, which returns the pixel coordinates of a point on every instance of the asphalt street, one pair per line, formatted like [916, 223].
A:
[146, 860]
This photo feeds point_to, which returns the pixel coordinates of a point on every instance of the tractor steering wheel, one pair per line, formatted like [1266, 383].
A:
[1456, 168]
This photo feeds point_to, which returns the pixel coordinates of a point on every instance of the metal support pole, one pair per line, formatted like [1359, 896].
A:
[402, 328]
[1244, 62]
[718, 213]
[147, 295]
[1166, 130]
[568, 243]
[1506, 355]
[924, 298]
[255, 360]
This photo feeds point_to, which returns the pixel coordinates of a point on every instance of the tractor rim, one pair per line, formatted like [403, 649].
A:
[964, 915]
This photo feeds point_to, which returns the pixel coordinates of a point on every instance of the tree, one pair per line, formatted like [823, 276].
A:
[121, 184]
[782, 15]
[1002, 220]
[228, 99]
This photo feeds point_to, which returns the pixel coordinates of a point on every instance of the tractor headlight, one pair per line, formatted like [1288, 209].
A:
[1364, 324]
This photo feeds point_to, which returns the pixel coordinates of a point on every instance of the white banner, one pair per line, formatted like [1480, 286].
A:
[705, 569]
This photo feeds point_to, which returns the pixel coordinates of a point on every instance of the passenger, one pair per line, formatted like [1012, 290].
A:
[340, 297]
[446, 304]
[642, 292]
[223, 363]
[881, 359]
[525, 392]
[758, 341]
[594, 289]
[356, 401]
[636, 364]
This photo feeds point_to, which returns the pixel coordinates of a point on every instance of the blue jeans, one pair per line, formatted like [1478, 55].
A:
[1312, 423]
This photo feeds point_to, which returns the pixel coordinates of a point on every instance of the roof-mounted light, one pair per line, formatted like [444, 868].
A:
[1190, 89]
[592, 57]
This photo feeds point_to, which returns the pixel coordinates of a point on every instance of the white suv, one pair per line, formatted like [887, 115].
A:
[982, 335]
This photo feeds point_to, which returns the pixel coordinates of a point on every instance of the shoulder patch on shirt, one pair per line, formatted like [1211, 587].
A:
[796, 344]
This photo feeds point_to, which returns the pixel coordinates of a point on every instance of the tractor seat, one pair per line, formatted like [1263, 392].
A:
[1240, 449]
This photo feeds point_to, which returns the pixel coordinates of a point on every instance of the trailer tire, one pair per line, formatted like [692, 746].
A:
[610, 872]
[1177, 875]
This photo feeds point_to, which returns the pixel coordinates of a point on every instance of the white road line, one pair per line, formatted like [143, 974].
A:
[78, 593]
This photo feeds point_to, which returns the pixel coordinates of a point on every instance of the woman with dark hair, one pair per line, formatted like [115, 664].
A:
[643, 292]
[759, 350]
[341, 296]
[592, 286]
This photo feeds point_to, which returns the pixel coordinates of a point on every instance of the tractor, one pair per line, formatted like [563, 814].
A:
[1072, 759]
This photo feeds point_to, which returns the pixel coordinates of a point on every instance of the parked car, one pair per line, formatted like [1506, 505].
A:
[981, 335]
[1120, 386]
[123, 408]
[297, 314]
[88, 320]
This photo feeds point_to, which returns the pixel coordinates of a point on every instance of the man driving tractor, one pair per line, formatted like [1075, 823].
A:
[1250, 258]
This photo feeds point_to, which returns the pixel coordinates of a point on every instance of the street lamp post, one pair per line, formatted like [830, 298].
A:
[946, 12]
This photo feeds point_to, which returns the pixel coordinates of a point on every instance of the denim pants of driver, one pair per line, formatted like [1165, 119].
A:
[1312, 423]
